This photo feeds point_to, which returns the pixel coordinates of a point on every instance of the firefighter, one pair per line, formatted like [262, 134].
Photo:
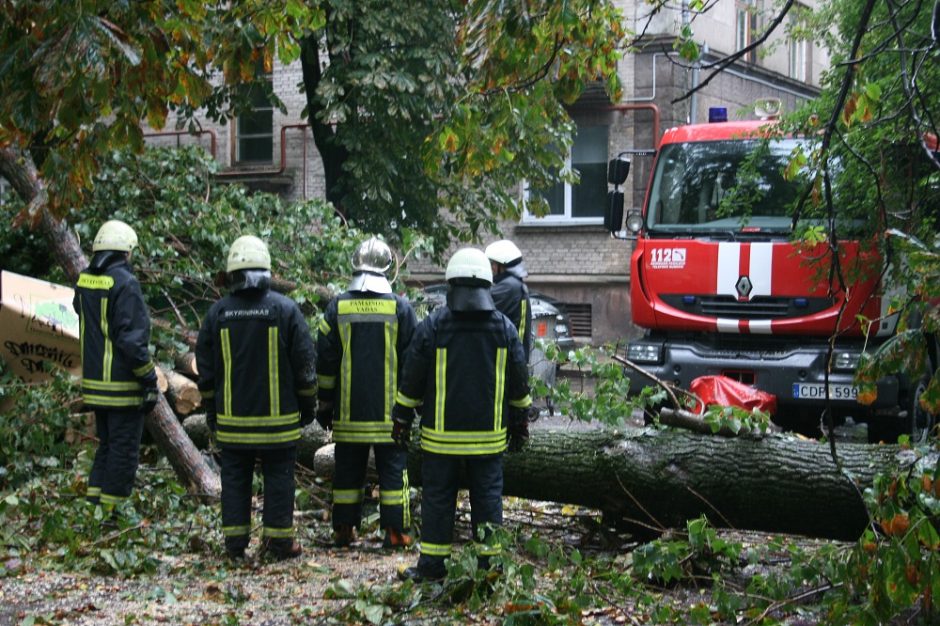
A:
[465, 368]
[362, 339]
[119, 380]
[510, 294]
[257, 373]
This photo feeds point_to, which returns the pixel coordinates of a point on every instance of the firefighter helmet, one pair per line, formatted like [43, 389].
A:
[114, 235]
[372, 255]
[370, 261]
[248, 252]
[503, 252]
[469, 263]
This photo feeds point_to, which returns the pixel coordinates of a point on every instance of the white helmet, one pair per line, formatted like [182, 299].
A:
[503, 252]
[248, 252]
[469, 263]
[370, 261]
[115, 235]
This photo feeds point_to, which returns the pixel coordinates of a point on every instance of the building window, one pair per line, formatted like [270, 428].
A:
[254, 130]
[745, 25]
[580, 318]
[582, 203]
[799, 44]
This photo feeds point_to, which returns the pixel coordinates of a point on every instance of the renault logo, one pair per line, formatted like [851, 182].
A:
[743, 286]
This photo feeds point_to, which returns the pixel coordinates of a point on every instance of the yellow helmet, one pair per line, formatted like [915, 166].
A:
[114, 235]
[248, 252]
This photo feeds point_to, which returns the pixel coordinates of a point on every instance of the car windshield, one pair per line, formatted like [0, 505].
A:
[723, 185]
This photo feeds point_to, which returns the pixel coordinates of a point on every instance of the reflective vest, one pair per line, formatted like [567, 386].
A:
[114, 331]
[511, 297]
[466, 370]
[257, 365]
[359, 342]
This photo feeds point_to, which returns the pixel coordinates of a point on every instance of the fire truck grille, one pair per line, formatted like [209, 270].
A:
[758, 308]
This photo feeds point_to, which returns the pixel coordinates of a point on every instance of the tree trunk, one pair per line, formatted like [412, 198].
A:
[18, 168]
[661, 478]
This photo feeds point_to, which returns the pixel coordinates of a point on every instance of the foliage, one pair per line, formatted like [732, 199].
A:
[424, 125]
[871, 154]
[32, 426]
[186, 220]
[79, 78]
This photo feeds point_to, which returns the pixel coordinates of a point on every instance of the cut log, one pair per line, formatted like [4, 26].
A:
[183, 393]
[185, 364]
[661, 478]
[191, 468]
[162, 385]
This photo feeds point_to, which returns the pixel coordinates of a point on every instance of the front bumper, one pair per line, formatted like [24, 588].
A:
[776, 368]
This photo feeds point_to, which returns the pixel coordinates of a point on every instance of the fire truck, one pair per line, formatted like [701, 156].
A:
[721, 286]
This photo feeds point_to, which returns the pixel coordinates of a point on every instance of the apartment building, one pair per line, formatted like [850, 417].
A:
[568, 253]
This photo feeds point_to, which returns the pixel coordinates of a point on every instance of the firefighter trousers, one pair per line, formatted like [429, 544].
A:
[238, 468]
[117, 457]
[349, 485]
[440, 476]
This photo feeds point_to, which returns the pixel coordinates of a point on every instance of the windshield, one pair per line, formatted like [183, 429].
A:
[723, 186]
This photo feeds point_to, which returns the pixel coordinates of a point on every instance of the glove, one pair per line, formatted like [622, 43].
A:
[150, 396]
[325, 416]
[401, 425]
[306, 417]
[518, 429]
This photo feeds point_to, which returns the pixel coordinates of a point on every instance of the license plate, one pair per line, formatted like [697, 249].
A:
[817, 391]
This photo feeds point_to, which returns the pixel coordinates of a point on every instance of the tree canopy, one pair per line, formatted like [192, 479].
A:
[416, 107]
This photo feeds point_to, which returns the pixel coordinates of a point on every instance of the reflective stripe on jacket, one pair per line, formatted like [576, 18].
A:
[114, 334]
[257, 365]
[466, 370]
[511, 297]
[360, 340]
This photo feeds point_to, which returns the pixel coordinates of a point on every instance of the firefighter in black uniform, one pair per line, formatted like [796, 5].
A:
[510, 294]
[362, 339]
[465, 368]
[257, 373]
[118, 377]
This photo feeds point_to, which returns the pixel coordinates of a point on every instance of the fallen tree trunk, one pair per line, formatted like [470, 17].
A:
[186, 364]
[661, 478]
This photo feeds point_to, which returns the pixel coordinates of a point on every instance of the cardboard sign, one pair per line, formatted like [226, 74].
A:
[38, 327]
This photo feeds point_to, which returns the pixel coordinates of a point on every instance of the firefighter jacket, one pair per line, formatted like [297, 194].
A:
[114, 331]
[362, 339]
[465, 370]
[511, 297]
[257, 368]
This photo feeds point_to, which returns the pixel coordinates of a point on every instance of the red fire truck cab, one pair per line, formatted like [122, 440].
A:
[721, 287]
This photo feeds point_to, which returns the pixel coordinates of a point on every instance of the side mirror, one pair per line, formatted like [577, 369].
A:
[613, 212]
[617, 170]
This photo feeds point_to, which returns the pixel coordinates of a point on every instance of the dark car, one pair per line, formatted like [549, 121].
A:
[549, 318]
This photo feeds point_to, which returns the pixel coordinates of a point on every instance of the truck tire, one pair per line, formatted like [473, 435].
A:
[920, 422]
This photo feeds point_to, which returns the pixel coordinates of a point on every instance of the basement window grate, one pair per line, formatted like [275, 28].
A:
[579, 315]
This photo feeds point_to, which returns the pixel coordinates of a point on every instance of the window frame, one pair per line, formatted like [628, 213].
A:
[799, 49]
[238, 136]
[566, 218]
[745, 10]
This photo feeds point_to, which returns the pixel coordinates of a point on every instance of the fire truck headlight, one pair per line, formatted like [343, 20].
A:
[847, 361]
[644, 352]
